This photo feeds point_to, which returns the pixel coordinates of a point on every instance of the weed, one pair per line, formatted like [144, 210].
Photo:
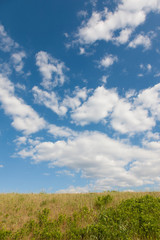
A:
[103, 200]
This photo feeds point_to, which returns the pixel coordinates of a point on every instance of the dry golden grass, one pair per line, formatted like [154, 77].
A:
[17, 209]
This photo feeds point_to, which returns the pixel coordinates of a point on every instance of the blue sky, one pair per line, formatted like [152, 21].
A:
[79, 95]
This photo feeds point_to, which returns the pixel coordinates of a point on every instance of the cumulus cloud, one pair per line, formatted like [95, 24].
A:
[108, 60]
[78, 95]
[127, 16]
[24, 117]
[17, 59]
[94, 155]
[97, 107]
[140, 40]
[126, 114]
[150, 99]
[6, 43]
[130, 118]
[51, 69]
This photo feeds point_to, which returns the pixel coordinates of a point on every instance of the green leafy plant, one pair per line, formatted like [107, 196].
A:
[103, 200]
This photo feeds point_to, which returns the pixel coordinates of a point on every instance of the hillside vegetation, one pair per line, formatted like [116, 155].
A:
[96, 216]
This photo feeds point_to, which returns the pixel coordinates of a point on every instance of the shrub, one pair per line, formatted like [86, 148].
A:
[103, 200]
[132, 219]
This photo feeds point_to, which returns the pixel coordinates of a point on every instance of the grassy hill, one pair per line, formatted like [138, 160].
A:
[108, 215]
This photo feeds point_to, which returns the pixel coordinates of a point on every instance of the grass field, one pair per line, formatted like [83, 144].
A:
[108, 215]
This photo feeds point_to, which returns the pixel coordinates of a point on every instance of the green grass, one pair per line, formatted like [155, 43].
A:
[100, 216]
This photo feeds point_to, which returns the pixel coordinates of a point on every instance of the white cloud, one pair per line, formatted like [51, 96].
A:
[140, 75]
[108, 60]
[157, 74]
[73, 189]
[21, 140]
[17, 59]
[150, 99]
[24, 117]
[6, 43]
[57, 131]
[52, 101]
[123, 36]
[49, 99]
[149, 67]
[65, 172]
[107, 162]
[97, 107]
[128, 118]
[82, 13]
[5, 69]
[146, 67]
[127, 16]
[82, 51]
[145, 108]
[1, 166]
[104, 78]
[79, 95]
[52, 70]
[125, 115]
[130, 93]
[20, 86]
[152, 136]
[46, 174]
[140, 40]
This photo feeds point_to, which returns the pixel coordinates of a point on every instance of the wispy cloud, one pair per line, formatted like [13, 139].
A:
[17, 59]
[20, 86]
[76, 189]
[140, 40]
[52, 70]
[6, 42]
[65, 172]
[24, 117]
[49, 99]
[5, 69]
[53, 102]
[57, 131]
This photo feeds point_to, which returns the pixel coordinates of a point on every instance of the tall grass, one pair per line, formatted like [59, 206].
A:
[22, 216]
